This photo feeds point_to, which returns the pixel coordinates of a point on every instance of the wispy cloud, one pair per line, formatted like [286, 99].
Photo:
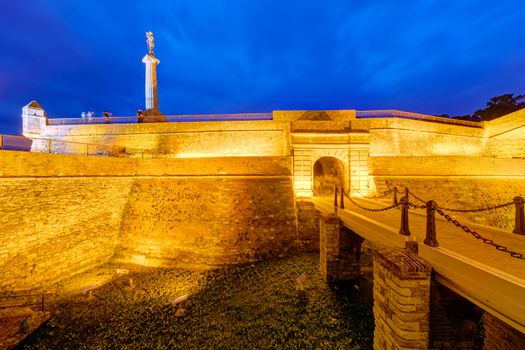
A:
[232, 55]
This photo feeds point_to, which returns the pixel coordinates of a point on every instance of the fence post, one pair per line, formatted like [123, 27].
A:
[395, 195]
[342, 201]
[335, 196]
[519, 223]
[404, 230]
[430, 238]
[406, 193]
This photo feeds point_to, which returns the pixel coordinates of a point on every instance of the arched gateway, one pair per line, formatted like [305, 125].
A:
[328, 172]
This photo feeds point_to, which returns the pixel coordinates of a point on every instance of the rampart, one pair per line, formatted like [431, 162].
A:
[457, 182]
[404, 137]
[61, 214]
[184, 139]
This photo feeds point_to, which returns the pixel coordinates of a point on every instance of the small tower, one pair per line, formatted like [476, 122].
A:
[152, 98]
[34, 118]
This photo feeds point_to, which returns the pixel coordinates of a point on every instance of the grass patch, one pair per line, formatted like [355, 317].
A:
[255, 306]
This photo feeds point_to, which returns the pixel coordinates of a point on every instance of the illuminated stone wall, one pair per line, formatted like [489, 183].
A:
[52, 227]
[198, 223]
[506, 136]
[62, 214]
[404, 137]
[184, 139]
[457, 182]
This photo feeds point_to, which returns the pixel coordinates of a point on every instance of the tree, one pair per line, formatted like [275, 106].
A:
[499, 106]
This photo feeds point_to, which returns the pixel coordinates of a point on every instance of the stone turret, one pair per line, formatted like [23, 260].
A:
[34, 118]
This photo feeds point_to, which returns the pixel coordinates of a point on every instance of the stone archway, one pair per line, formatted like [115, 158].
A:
[327, 173]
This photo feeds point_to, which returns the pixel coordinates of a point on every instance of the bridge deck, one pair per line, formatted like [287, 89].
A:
[490, 278]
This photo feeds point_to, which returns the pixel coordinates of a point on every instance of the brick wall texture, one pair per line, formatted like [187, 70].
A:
[401, 300]
[499, 336]
[307, 226]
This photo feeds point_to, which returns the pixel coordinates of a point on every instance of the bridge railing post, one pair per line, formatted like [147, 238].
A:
[404, 229]
[395, 195]
[431, 239]
[335, 196]
[519, 223]
[342, 201]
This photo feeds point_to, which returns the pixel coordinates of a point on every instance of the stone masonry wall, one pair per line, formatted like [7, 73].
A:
[401, 300]
[403, 137]
[62, 214]
[457, 182]
[308, 226]
[51, 228]
[183, 140]
[205, 222]
[499, 336]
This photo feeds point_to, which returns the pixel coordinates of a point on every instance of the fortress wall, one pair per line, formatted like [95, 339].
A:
[52, 228]
[59, 215]
[185, 139]
[446, 166]
[24, 164]
[507, 136]
[55, 223]
[198, 223]
[457, 182]
[404, 137]
[506, 123]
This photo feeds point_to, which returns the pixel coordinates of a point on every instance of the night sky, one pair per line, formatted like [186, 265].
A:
[235, 56]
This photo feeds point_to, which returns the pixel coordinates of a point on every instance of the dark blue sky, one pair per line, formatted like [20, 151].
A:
[259, 55]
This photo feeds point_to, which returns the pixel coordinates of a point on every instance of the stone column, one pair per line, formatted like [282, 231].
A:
[401, 300]
[152, 99]
[340, 250]
[500, 336]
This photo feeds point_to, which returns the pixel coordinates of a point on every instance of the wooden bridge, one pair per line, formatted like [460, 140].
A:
[482, 273]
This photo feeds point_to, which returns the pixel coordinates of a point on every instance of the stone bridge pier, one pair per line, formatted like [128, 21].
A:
[411, 310]
[339, 249]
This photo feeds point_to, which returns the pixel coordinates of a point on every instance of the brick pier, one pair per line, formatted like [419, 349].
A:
[340, 250]
[401, 300]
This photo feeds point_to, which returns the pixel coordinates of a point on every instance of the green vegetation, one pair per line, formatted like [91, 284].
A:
[277, 304]
[496, 107]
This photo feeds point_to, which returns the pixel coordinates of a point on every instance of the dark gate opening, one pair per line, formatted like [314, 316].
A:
[328, 173]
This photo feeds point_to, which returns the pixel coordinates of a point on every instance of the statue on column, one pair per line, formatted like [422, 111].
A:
[150, 40]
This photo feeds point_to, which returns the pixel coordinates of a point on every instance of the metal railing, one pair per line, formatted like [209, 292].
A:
[415, 116]
[167, 118]
[15, 143]
[52, 146]
[96, 120]
[431, 208]
[24, 300]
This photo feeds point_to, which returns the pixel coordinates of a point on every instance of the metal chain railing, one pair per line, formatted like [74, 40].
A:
[365, 208]
[478, 236]
[416, 197]
[432, 207]
[477, 210]
[498, 206]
